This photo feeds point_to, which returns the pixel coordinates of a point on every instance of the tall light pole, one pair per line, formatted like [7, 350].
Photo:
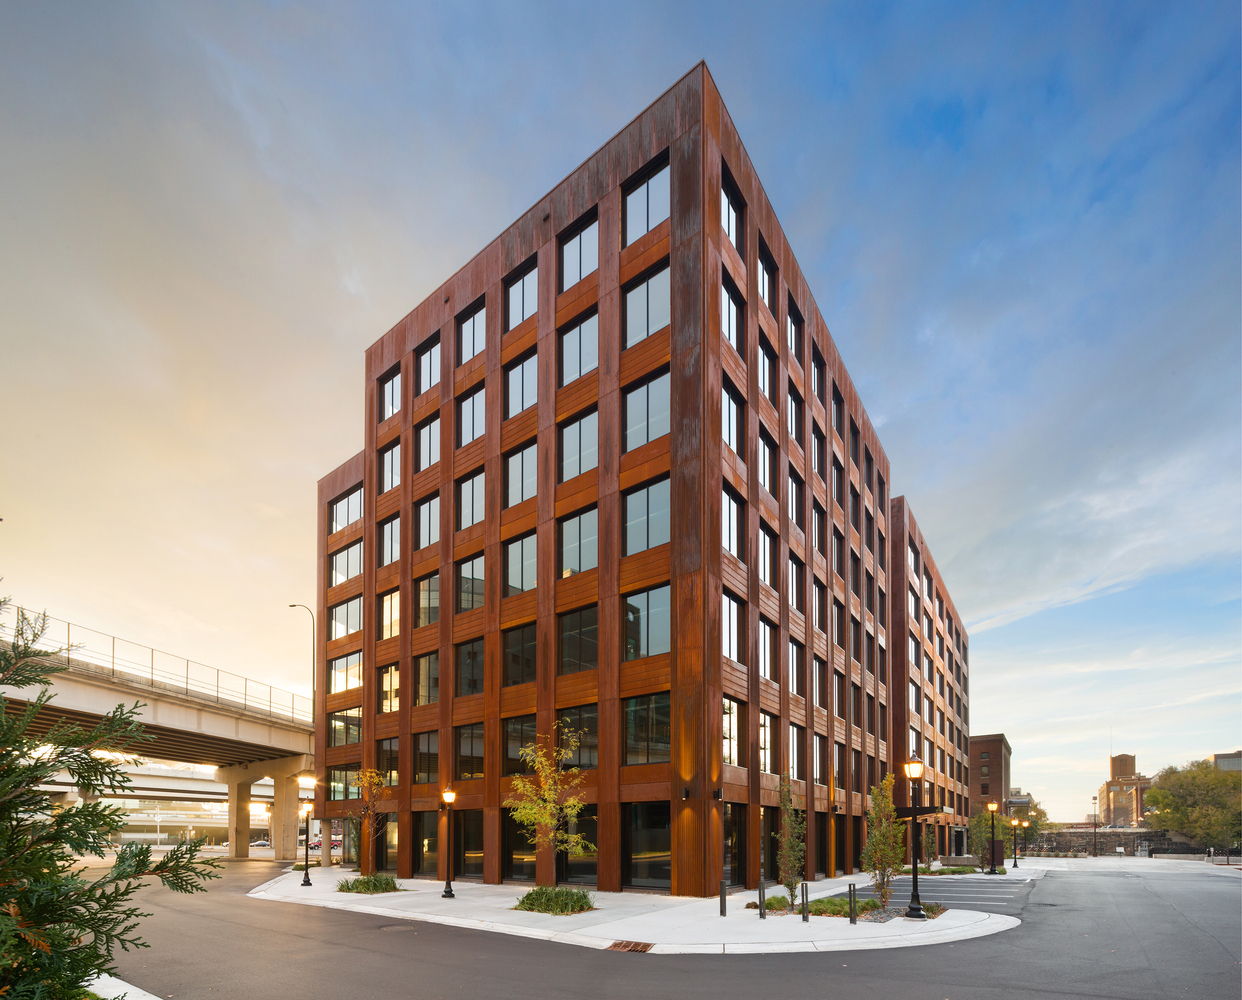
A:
[914, 771]
[1014, 823]
[311, 806]
[1095, 821]
[305, 810]
[992, 807]
[1025, 824]
[448, 795]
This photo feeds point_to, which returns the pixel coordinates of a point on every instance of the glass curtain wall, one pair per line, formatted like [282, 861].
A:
[647, 846]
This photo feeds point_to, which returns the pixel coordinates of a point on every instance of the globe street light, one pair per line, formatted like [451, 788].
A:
[992, 807]
[1014, 822]
[448, 795]
[1025, 824]
[305, 810]
[914, 771]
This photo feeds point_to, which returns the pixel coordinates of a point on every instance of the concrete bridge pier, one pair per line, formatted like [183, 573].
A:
[284, 773]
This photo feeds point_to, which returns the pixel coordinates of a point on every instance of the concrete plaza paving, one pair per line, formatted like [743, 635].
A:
[657, 923]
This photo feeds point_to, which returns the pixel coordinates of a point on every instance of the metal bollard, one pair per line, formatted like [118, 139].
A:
[853, 904]
[806, 906]
[722, 897]
[763, 900]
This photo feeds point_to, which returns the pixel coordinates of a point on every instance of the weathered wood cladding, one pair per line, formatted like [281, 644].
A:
[690, 125]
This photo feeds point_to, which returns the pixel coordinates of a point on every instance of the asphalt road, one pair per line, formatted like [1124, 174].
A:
[1102, 929]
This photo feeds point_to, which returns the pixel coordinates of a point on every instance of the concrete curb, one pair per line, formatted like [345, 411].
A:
[109, 987]
[951, 926]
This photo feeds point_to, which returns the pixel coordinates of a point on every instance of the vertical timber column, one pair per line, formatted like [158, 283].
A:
[239, 819]
[285, 818]
[691, 618]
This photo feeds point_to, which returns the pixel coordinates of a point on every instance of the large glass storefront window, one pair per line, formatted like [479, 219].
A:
[821, 843]
[770, 844]
[468, 843]
[425, 841]
[583, 869]
[646, 852]
[518, 853]
[386, 842]
[734, 843]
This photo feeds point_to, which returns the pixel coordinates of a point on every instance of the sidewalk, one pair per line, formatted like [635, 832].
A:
[635, 921]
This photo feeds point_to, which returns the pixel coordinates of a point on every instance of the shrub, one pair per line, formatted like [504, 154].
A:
[369, 884]
[560, 900]
[771, 903]
[839, 906]
[933, 910]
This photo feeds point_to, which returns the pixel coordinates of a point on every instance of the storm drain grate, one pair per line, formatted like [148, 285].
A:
[630, 946]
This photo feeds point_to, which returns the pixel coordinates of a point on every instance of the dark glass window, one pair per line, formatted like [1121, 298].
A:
[427, 519]
[519, 645]
[388, 686]
[579, 640]
[427, 444]
[579, 446]
[580, 349]
[470, 668]
[646, 623]
[732, 317]
[647, 721]
[646, 205]
[579, 542]
[646, 850]
[471, 334]
[426, 758]
[471, 500]
[390, 540]
[646, 412]
[520, 475]
[518, 732]
[470, 583]
[522, 299]
[427, 678]
[647, 515]
[584, 721]
[471, 417]
[647, 307]
[469, 751]
[386, 761]
[341, 783]
[428, 588]
[520, 565]
[390, 468]
[580, 253]
[521, 385]
[428, 362]
[344, 727]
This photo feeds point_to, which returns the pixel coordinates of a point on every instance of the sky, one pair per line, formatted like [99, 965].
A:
[1020, 221]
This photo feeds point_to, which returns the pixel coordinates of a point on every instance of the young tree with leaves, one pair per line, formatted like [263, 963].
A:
[884, 855]
[1199, 800]
[368, 781]
[58, 928]
[791, 842]
[546, 804]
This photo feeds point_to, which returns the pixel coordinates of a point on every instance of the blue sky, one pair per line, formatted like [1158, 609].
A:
[1021, 222]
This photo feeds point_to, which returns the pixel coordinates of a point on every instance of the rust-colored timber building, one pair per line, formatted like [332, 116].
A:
[929, 697]
[614, 471]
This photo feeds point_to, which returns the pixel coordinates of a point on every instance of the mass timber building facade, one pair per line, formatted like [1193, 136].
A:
[929, 695]
[616, 472]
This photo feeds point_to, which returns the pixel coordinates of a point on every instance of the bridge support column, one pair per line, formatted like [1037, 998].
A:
[325, 843]
[285, 818]
[284, 773]
[239, 819]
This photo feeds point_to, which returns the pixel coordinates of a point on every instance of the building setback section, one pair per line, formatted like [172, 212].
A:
[644, 492]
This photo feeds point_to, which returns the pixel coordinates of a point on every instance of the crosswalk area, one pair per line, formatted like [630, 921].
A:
[968, 893]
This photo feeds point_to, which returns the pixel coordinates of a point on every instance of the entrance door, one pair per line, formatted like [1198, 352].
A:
[734, 870]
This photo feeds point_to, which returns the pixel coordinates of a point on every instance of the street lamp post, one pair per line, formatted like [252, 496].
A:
[914, 771]
[1095, 821]
[1025, 824]
[992, 807]
[448, 795]
[306, 811]
[1014, 823]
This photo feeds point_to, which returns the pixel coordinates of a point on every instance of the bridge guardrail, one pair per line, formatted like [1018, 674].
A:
[98, 652]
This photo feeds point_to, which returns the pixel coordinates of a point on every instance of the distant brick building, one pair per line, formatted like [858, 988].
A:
[989, 772]
[1121, 797]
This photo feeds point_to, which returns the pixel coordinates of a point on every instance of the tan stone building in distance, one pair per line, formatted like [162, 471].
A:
[1121, 797]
